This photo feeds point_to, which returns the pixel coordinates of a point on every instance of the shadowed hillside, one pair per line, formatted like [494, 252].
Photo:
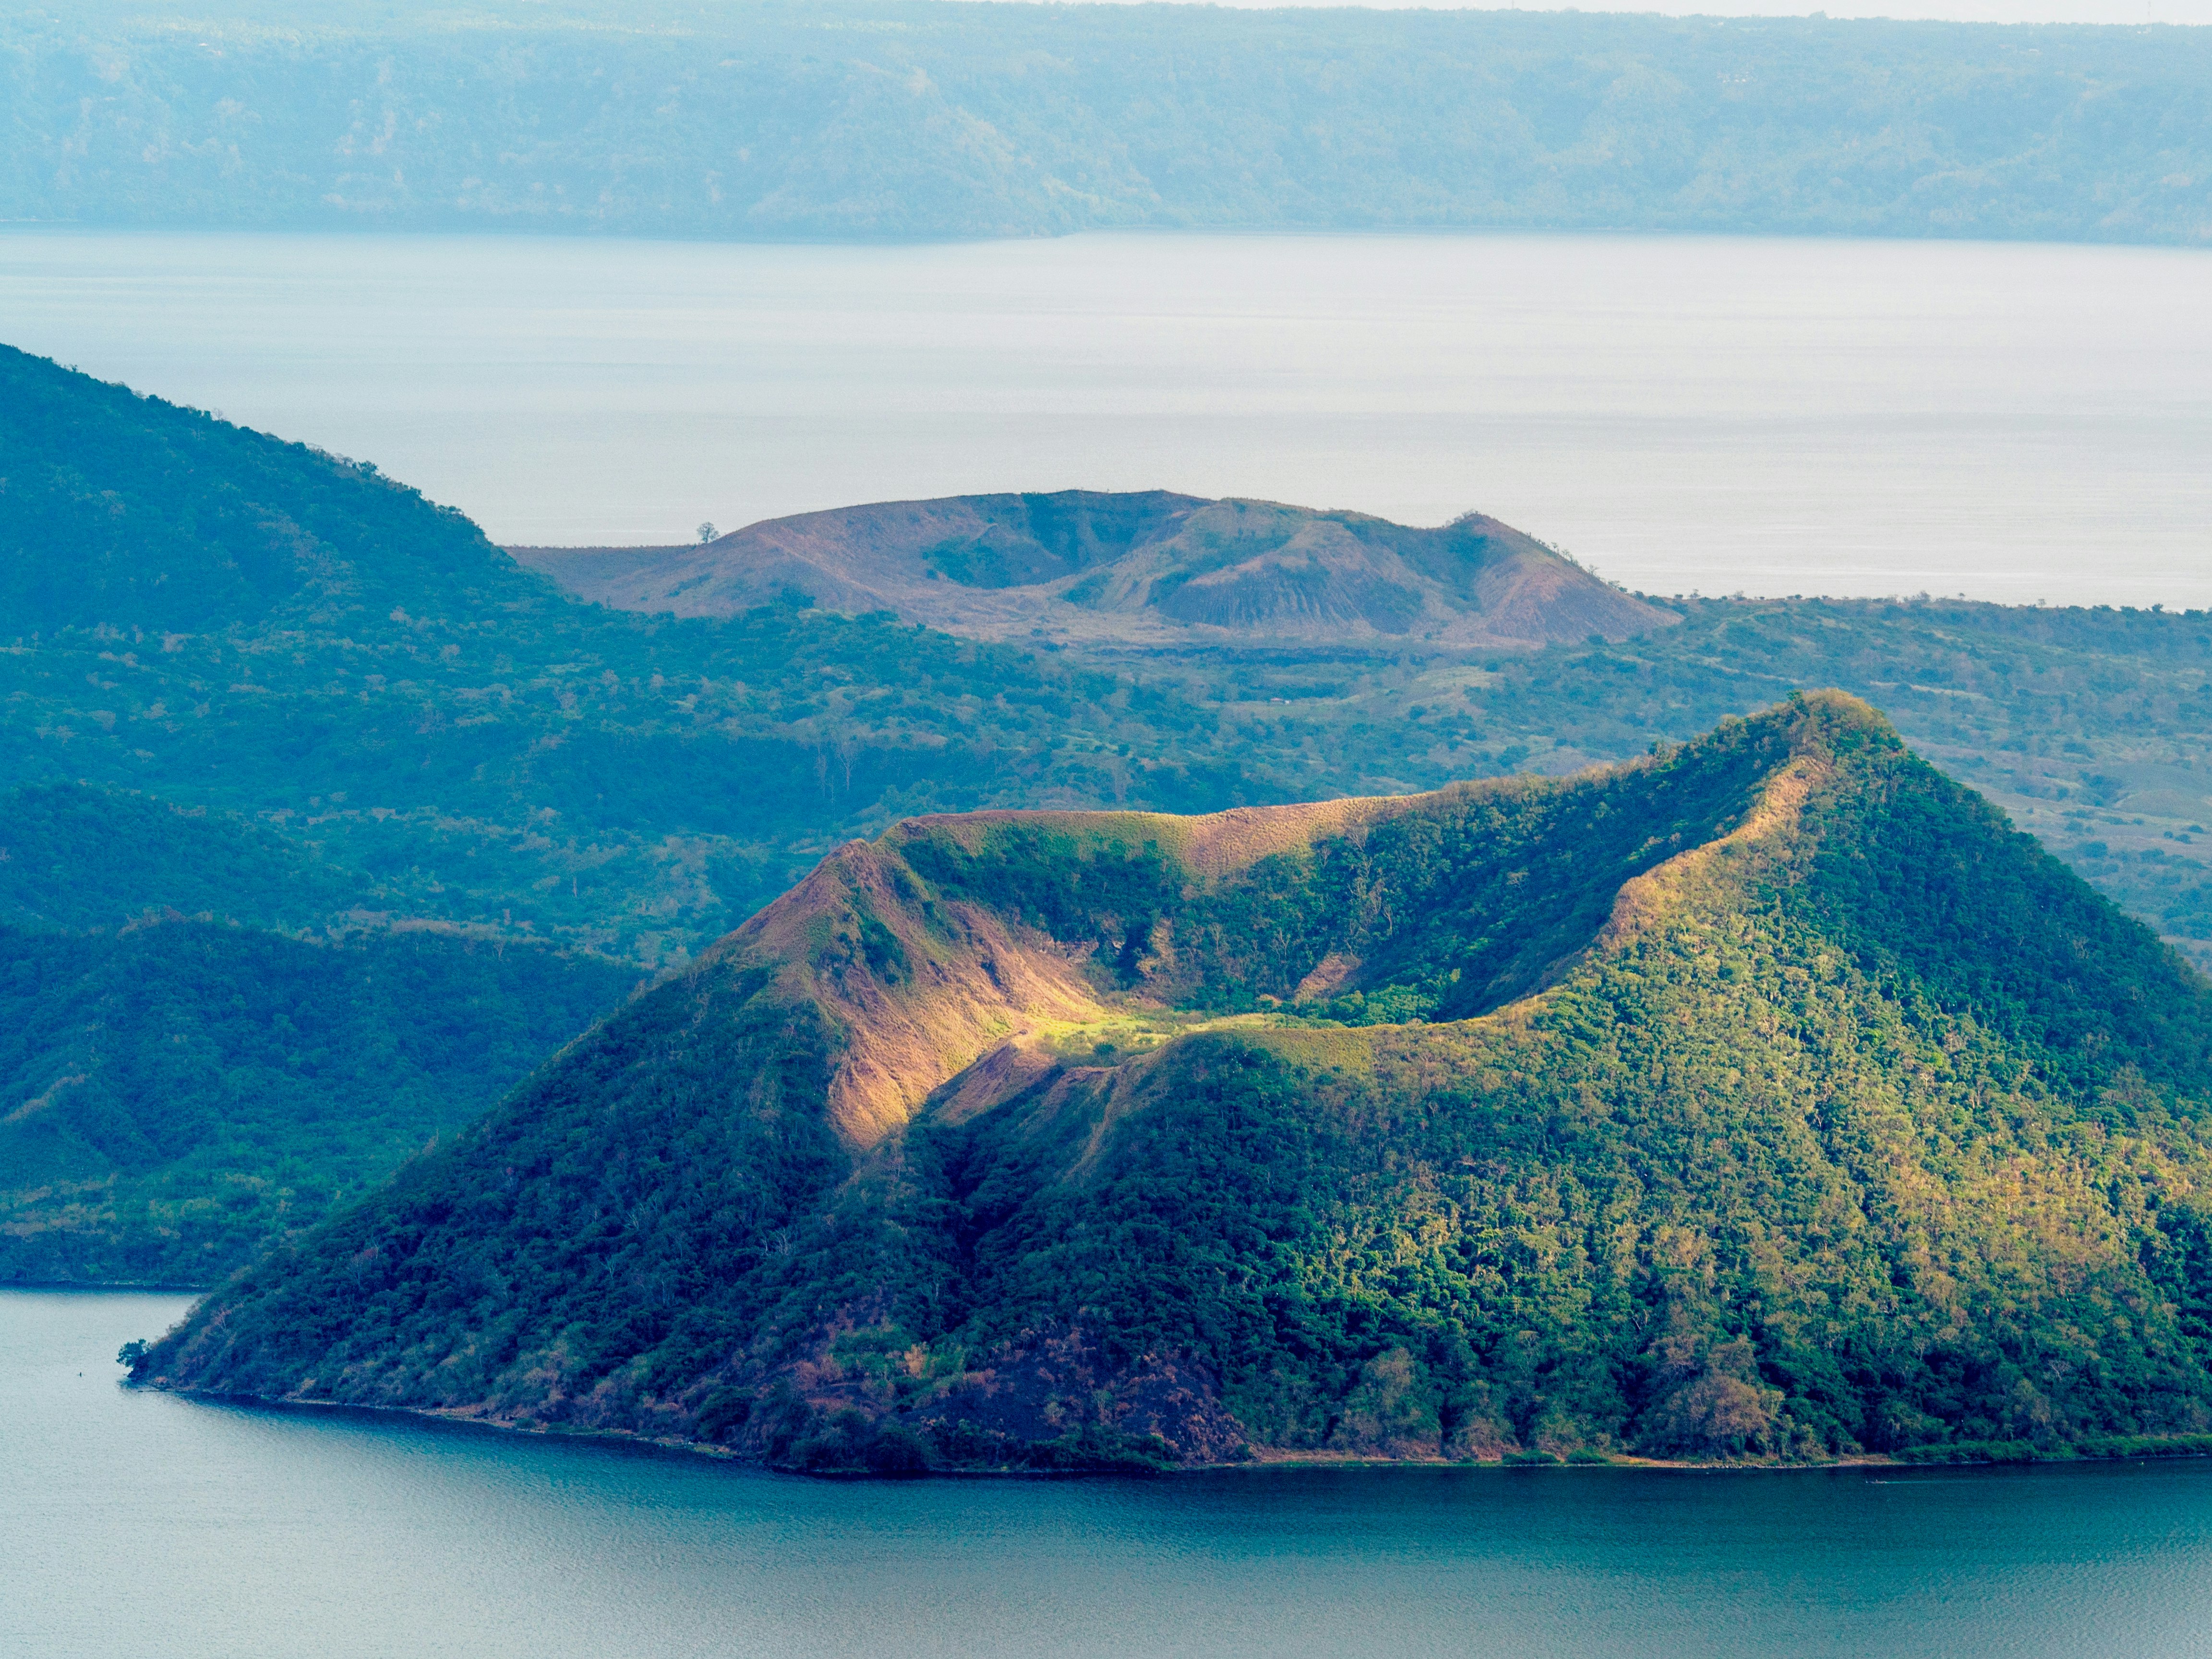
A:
[205, 1044]
[1768, 1097]
[1147, 568]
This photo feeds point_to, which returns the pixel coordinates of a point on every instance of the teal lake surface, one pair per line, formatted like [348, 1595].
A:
[2015, 421]
[134, 1523]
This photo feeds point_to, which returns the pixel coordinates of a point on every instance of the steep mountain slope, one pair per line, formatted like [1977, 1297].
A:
[388, 727]
[1147, 568]
[1771, 1097]
[127, 514]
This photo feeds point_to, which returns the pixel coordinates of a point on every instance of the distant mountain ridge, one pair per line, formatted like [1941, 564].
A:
[867, 119]
[1766, 1097]
[1147, 568]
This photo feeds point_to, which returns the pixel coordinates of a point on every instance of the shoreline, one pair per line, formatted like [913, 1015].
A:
[1954, 1455]
[110, 1286]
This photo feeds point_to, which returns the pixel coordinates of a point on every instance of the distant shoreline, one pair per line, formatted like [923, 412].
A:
[949, 121]
[107, 1286]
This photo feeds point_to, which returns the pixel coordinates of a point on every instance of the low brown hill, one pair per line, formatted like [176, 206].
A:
[1146, 569]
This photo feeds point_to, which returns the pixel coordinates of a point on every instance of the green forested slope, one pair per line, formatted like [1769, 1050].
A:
[127, 515]
[181, 1095]
[76, 859]
[204, 1044]
[1856, 1123]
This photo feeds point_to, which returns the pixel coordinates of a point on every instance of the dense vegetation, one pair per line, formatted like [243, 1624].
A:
[183, 1094]
[342, 716]
[889, 118]
[1442, 914]
[199, 1056]
[2092, 728]
[1861, 1123]
[81, 859]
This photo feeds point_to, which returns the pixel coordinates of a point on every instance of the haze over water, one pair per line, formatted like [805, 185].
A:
[136, 1522]
[2019, 422]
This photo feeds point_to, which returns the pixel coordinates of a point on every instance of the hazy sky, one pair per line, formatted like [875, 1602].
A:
[1968, 11]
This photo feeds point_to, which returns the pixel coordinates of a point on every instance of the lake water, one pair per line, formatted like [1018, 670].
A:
[141, 1523]
[2016, 422]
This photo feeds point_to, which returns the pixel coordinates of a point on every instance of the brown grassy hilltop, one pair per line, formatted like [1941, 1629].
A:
[1143, 568]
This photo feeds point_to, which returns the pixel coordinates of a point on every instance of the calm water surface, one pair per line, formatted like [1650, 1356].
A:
[2017, 422]
[139, 1524]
